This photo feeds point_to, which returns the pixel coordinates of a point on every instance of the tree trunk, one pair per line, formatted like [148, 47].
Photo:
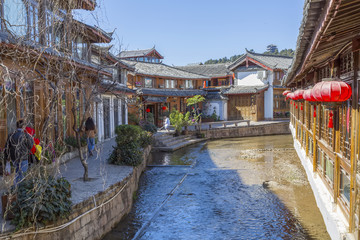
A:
[82, 160]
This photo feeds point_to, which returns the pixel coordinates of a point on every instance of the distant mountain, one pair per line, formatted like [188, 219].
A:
[271, 49]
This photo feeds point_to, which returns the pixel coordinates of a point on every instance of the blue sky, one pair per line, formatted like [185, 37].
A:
[191, 31]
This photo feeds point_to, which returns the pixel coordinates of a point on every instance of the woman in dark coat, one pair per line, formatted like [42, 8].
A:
[90, 131]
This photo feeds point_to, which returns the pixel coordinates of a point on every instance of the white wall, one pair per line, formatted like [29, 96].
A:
[100, 115]
[269, 98]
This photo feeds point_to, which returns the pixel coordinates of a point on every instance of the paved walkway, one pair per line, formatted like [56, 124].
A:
[102, 175]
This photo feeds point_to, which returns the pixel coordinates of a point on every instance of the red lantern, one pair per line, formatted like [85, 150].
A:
[163, 108]
[296, 106]
[308, 96]
[148, 110]
[298, 94]
[36, 141]
[314, 111]
[301, 108]
[332, 91]
[286, 92]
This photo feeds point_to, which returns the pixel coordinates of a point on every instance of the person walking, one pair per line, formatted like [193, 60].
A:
[166, 123]
[17, 149]
[90, 130]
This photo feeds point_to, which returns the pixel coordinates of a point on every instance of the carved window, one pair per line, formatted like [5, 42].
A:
[347, 63]
[345, 130]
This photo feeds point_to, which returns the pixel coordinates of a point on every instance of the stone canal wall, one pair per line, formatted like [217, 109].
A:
[94, 217]
[252, 130]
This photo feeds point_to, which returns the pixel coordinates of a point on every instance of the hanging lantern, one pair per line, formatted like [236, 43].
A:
[314, 111]
[301, 108]
[331, 125]
[298, 94]
[148, 110]
[308, 96]
[163, 108]
[332, 91]
[286, 92]
[296, 106]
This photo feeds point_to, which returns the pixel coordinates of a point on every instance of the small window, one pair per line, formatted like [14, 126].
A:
[141, 59]
[189, 84]
[345, 186]
[170, 83]
[15, 15]
[148, 83]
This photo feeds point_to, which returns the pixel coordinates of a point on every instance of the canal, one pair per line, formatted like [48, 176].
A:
[239, 188]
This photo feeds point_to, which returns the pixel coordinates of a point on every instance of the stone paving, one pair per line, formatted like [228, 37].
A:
[102, 175]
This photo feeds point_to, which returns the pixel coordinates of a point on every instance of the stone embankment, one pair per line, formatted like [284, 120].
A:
[95, 216]
[166, 142]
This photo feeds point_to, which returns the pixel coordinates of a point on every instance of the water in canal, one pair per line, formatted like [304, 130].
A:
[240, 188]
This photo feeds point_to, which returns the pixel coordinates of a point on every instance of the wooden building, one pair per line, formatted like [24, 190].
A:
[220, 78]
[326, 134]
[110, 109]
[257, 92]
[159, 87]
[46, 76]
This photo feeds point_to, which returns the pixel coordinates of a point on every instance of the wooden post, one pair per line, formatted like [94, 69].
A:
[314, 143]
[354, 134]
[337, 151]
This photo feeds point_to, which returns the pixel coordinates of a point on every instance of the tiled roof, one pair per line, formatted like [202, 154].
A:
[115, 87]
[215, 96]
[244, 89]
[137, 53]
[155, 99]
[170, 92]
[271, 61]
[210, 70]
[161, 70]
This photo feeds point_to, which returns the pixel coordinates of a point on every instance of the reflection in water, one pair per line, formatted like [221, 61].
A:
[245, 188]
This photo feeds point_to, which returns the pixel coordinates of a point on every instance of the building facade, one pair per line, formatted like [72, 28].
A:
[257, 91]
[326, 131]
[159, 88]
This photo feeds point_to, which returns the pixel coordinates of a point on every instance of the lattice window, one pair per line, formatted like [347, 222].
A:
[347, 63]
[310, 146]
[324, 72]
[345, 129]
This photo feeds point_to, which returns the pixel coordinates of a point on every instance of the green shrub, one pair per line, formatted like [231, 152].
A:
[127, 133]
[149, 127]
[71, 141]
[130, 154]
[40, 201]
[133, 119]
[146, 139]
[130, 140]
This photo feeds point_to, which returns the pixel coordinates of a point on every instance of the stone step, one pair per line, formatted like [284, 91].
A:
[176, 141]
[179, 145]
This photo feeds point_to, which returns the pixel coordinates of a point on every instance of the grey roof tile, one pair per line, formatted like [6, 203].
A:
[136, 53]
[244, 89]
[161, 70]
[210, 70]
[271, 61]
[169, 92]
[215, 96]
